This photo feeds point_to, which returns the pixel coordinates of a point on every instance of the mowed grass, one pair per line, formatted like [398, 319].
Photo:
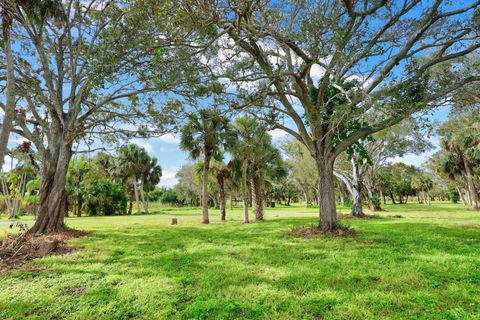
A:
[425, 265]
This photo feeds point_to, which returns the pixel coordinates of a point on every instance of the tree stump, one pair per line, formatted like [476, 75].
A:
[174, 221]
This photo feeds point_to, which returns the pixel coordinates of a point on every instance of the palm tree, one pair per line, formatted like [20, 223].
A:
[204, 134]
[131, 162]
[255, 151]
[423, 183]
[462, 143]
[150, 177]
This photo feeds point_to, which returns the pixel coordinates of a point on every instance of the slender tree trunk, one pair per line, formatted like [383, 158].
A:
[245, 192]
[9, 115]
[357, 210]
[231, 200]
[373, 206]
[223, 200]
[206, 171]
[471, 186]
[305, 194]
[135, 190]
[79, 208]
[392, 196]
[52, 207]
[257, 198]
[460, 194]
[130, 205]
[142, 195]
[326, 194]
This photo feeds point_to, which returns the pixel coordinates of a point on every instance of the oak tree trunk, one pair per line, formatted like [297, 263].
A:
[10, 96]
[357, 210]
[326, 194]
[51, 212]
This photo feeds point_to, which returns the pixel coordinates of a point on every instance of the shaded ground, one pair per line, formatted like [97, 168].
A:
[16, 250]
[423, 266]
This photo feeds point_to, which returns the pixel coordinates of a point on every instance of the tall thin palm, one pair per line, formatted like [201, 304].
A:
[205, 133]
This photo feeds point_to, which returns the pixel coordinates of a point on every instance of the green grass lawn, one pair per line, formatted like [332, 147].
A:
[423, 266]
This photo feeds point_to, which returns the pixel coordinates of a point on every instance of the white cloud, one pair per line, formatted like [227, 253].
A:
[169, 138]
[168, 178]
[144, 144]
[277, 133]
[7, 166]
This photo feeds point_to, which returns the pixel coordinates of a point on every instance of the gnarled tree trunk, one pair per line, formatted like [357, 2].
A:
[53, 196]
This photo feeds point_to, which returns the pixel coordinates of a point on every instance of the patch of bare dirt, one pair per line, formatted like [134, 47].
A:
[350, 216]
[18, 249]
[315, 231]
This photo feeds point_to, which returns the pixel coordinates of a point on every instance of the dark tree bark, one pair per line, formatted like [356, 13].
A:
[222, 197]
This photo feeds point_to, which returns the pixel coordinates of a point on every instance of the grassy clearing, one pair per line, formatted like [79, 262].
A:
[423, 266]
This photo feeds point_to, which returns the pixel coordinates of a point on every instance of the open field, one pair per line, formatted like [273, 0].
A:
[425, 265]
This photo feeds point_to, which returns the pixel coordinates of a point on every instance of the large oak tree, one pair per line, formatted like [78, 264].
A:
[97, 71]
[331, 72]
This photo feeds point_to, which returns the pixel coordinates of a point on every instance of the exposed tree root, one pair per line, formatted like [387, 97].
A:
[18, 249]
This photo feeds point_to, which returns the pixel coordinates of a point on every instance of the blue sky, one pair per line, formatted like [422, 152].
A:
[171, 158]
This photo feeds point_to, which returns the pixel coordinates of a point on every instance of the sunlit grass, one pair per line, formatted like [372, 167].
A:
[423, 266]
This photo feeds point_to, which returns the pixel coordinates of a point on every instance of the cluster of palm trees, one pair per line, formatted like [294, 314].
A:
[140, 172]
[461, 157]
[131, 168]
[209, 134]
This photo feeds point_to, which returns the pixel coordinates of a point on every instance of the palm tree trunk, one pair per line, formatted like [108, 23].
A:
[142, 195]
[257, 198]
[135, 190]
[10, 90]
[222, 200]
[245, 192]
[206, 170]
[471, 186]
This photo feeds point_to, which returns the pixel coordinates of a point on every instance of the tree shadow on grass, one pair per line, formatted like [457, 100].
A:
[258, 271]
